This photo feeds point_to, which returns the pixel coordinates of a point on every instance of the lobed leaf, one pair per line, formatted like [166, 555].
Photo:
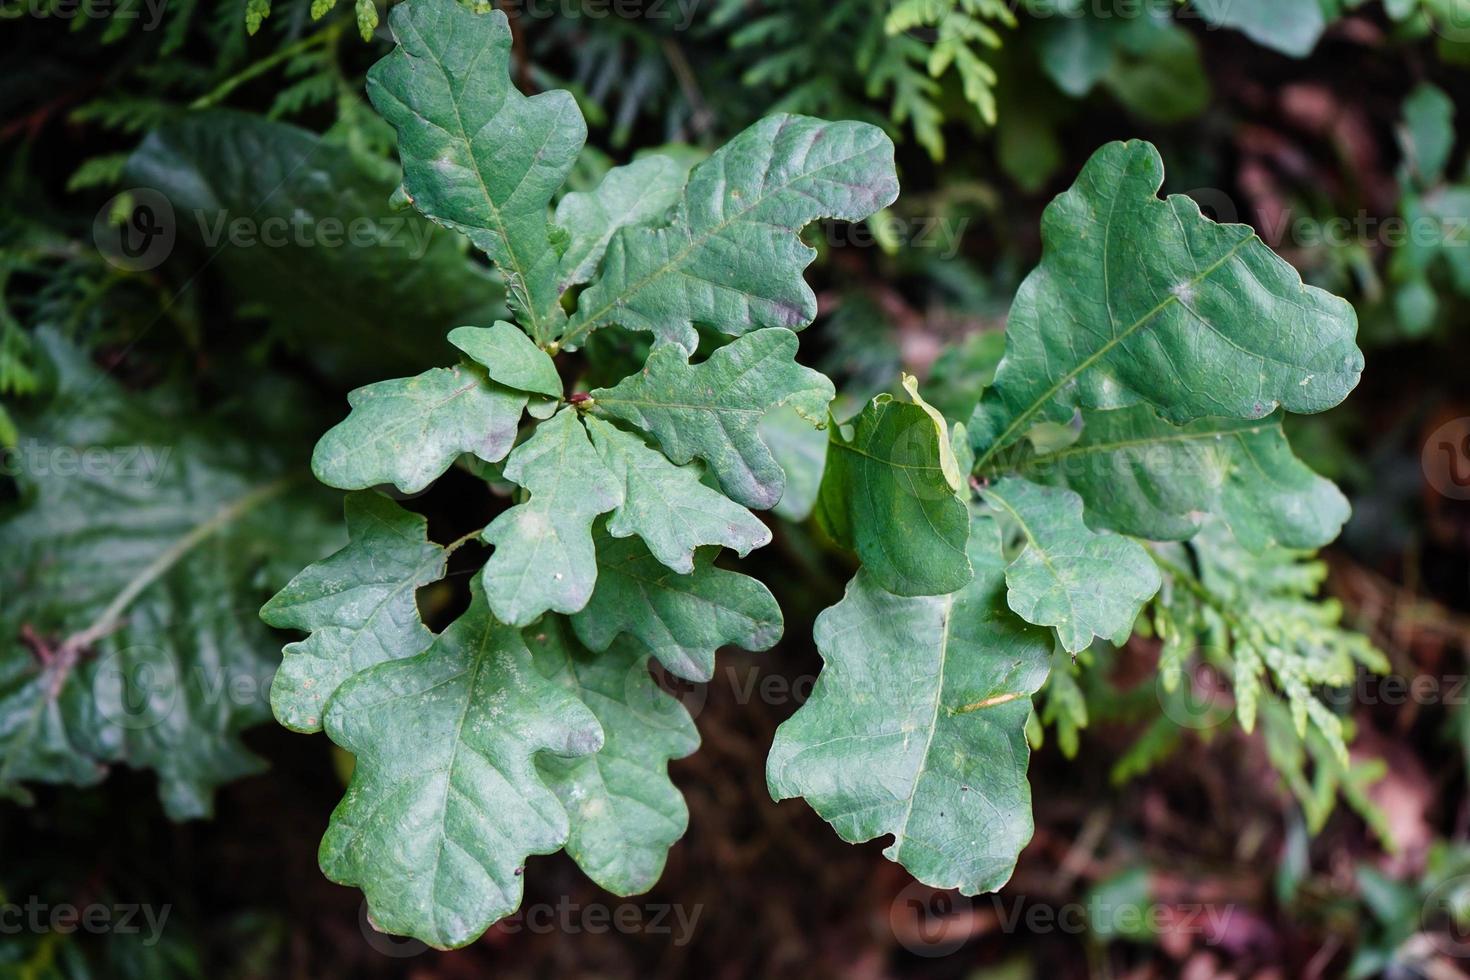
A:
[730, 256]
[624, 813]
[1142, 300]
[509, 357]
[365, 290]
[640, 193]
[712, 410]
[1140, 475]
[125, 632]
[682, 619]
[358, 604]
[543, 558]
[667, 505]
[446, 802]
[915, 727]
[478, 156]
[408, 431]
[1081, 582]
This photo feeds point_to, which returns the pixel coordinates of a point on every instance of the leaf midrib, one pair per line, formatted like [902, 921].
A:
[586, 325]
[1007, 435]
[1097, 448]
[532, 314]
[69, 652]
[902, 833]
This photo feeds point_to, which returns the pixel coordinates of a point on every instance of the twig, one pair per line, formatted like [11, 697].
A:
[700, 117]
[325, 38]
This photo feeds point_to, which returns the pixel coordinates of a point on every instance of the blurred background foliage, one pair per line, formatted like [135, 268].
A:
[1332, 127]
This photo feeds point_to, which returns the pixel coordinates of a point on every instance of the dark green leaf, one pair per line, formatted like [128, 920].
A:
[1083, 583]
[133, 560]
[682, 619]
[410, 430]
[1139, 299]
[445, 801]
[358, 606]
[543, 555]
[478, 156]
[509, 357]
[712, 410]
[1142, 476]
[894, 493]
[730, 256]
[915, 726]
[623, 810]
[667, 505]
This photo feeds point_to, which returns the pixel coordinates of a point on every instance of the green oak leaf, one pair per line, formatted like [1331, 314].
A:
[915, 727]
[543, 556]
[892, 491]
[712, 410]
[1139, 299]
[730, 256]
[478, 156]
[623, 810]
[1292, 27]
[682, 619]
[640, 193]
[667, 505]
[408, 431]
[445, 801]
[1140, 475]
[1080, 581]
[143, 534]
[367, 292]
[358, 605]
[509, 357]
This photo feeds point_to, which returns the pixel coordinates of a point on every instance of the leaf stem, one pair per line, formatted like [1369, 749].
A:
[1194, 585]
[462, 540]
